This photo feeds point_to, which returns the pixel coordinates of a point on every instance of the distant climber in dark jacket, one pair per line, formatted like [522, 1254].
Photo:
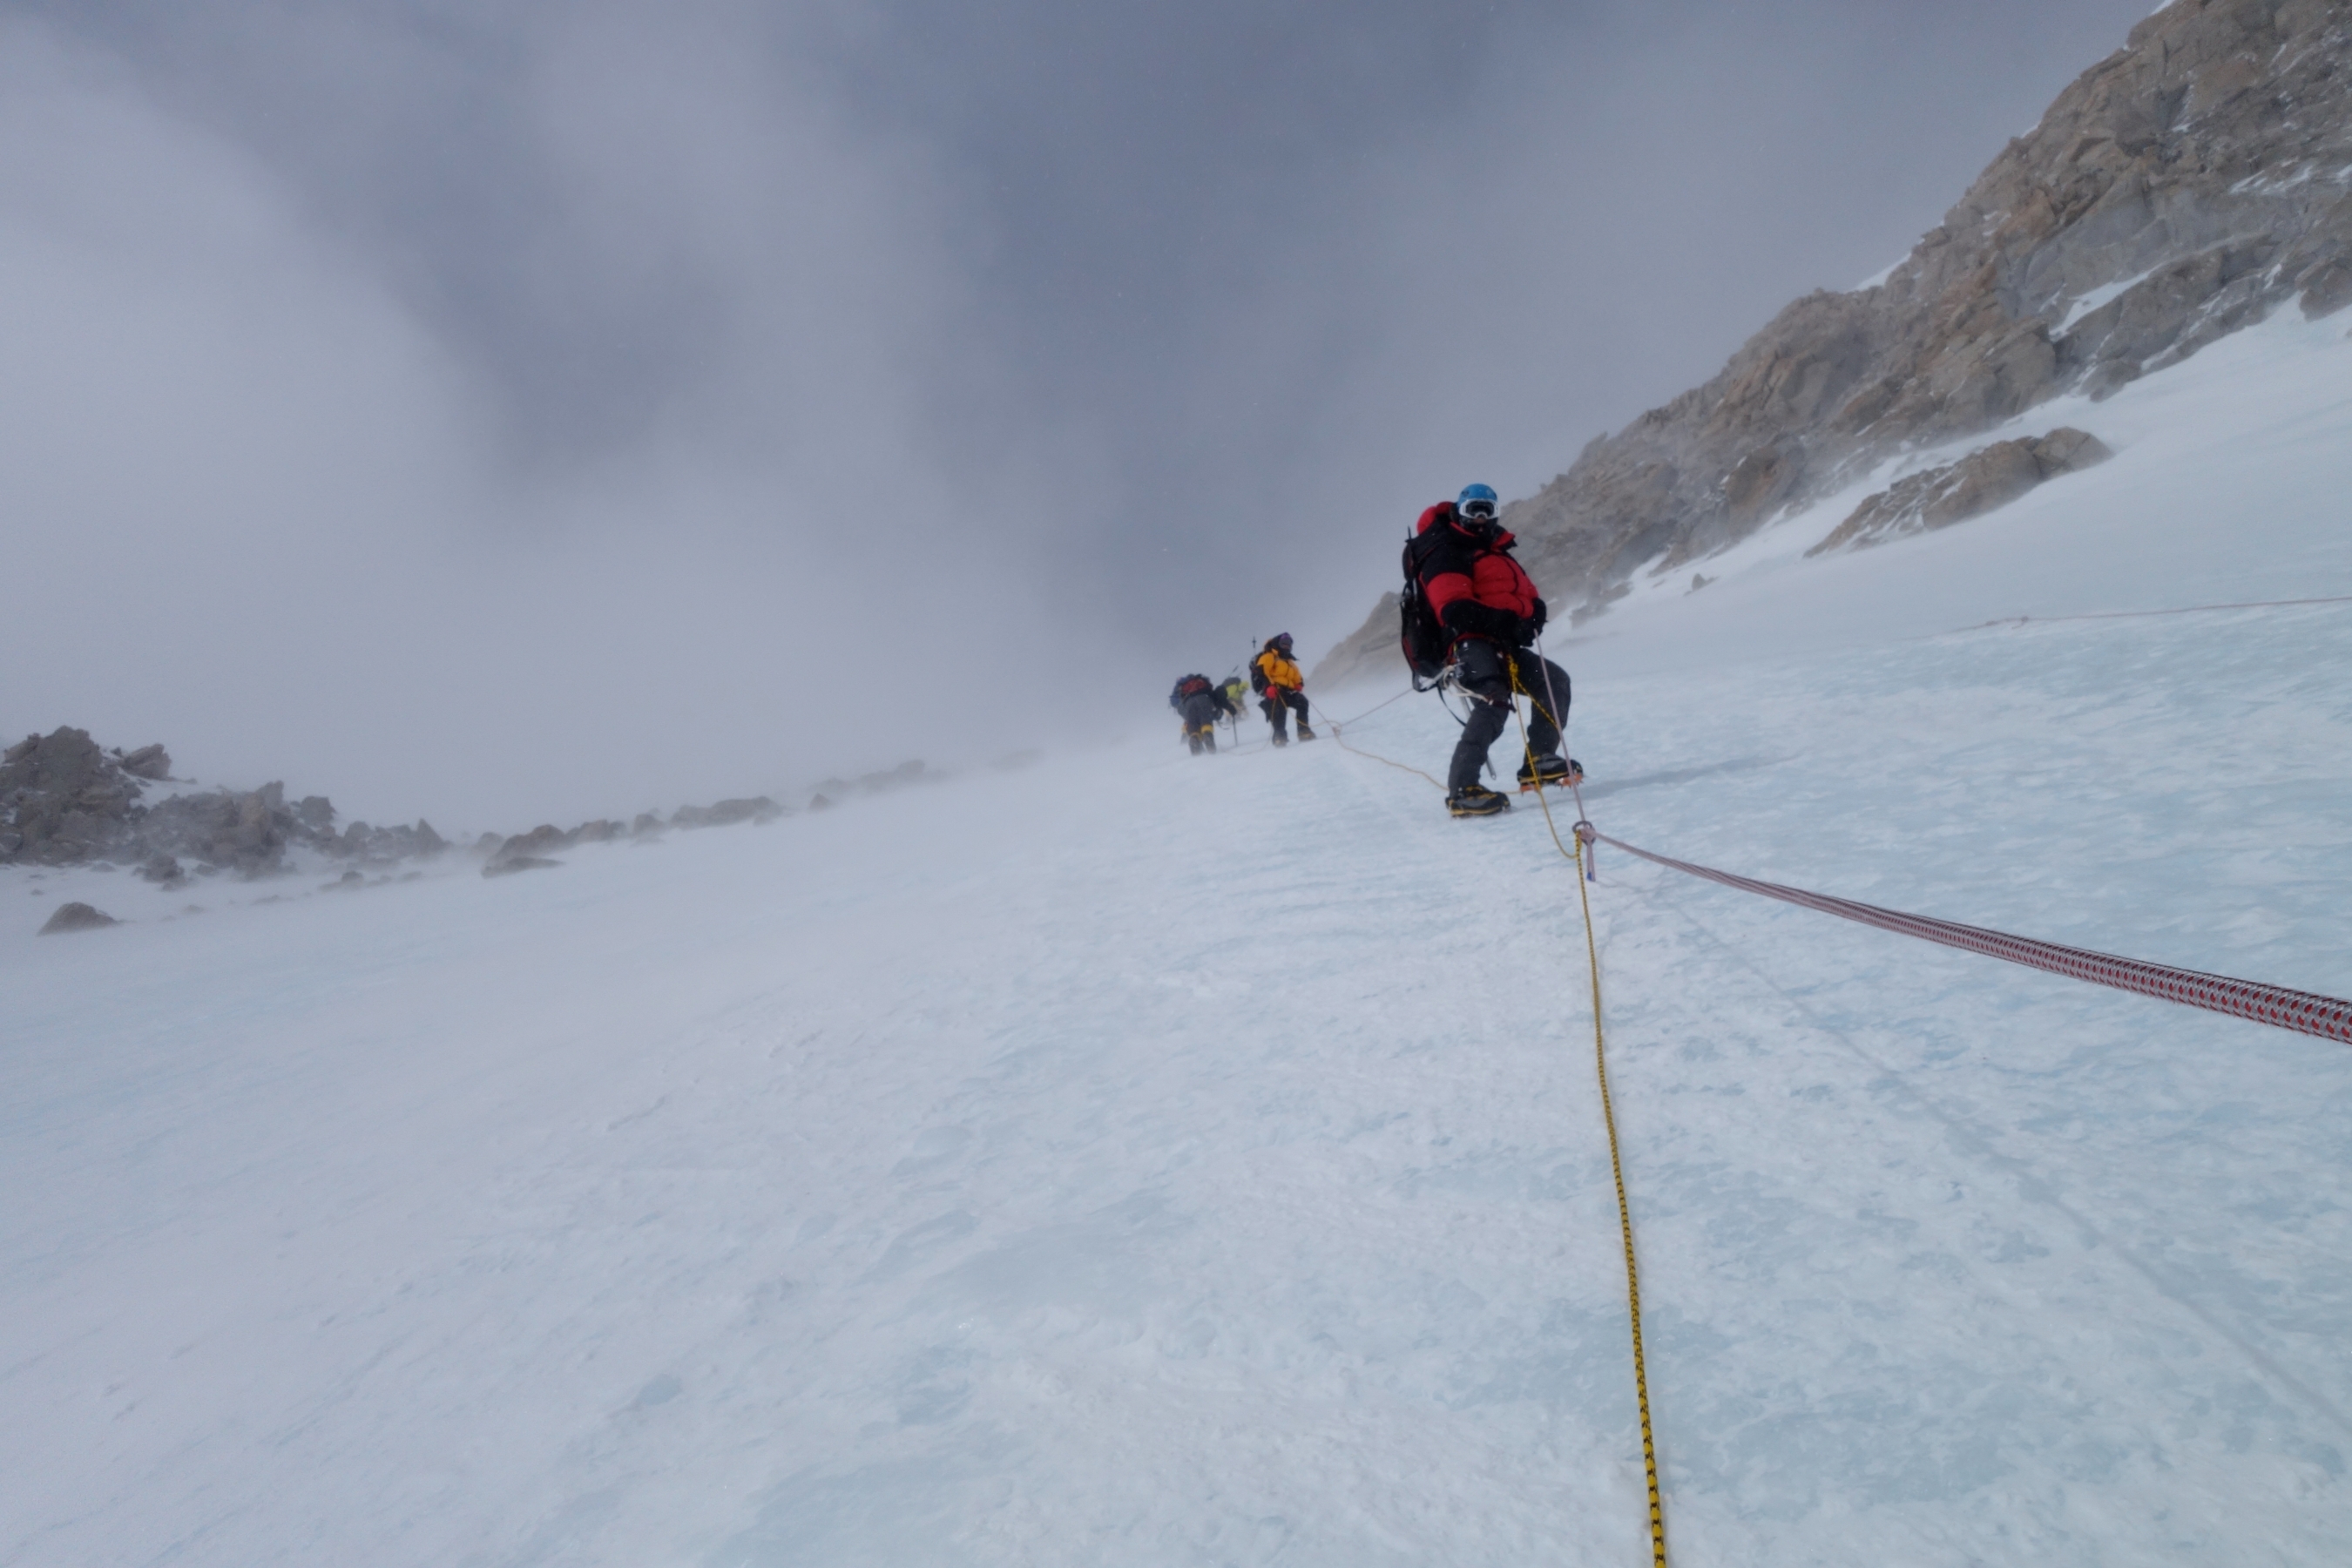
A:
[1489, 605]
[1201, 703]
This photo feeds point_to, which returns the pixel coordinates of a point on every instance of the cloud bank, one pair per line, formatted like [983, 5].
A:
[561, 409]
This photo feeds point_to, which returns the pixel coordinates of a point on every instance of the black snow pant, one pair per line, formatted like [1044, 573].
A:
[1485, 677]
[1280, 705]
[1201, 712]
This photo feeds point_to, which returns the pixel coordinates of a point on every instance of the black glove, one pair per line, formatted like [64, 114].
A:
[1467, 617]
[1536, 621]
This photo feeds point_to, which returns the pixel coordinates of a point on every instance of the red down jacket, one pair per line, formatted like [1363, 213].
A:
[1474, 586]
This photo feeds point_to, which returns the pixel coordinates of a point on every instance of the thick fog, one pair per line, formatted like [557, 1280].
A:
[537, 410]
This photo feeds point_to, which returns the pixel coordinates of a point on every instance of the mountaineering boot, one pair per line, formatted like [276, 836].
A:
[1208, 741]
[1476, 800]
[1192, 742]
[1550, 771]
[1280, 739]
[1304, 732]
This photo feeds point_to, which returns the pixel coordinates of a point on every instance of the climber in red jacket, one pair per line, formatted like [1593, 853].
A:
[1488, 606]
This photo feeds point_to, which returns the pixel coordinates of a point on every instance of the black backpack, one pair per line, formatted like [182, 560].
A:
[1425, 643]
[1257, 678]
[1192, 686]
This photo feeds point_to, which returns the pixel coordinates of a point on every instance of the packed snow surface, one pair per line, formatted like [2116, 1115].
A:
[1142, 1159]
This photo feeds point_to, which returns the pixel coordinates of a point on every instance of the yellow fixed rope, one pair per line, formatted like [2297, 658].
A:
[1607, 1106]
[1625, 1224]
[1616, 1162]
[1339, 733]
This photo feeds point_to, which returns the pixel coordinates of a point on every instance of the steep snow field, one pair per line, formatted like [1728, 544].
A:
[1149, 1160]
[2228, 484]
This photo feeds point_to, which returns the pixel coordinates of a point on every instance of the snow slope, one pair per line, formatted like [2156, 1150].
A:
[2229, 483]
[1157, 1161]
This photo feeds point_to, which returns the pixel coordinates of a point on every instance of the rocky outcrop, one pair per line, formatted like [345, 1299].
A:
[531, 847]
[759, 808]
[1371, 652]
[530, 850]
[912, 770]
[1987, 478]
[150, 763]
[76, 917]
[383, 845]
[2179, 190]
[248, 833]
[504, 865]
[63, 800]
[539, 841]
[66, 801]
[527, 851]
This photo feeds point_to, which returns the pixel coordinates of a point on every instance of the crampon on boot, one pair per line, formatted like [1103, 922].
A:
[1476, 800]
[1280, 739]
[1192, 742]
[1304, 732]
[1555, 771]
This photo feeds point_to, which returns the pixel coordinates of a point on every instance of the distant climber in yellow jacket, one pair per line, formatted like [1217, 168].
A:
[1276, 680]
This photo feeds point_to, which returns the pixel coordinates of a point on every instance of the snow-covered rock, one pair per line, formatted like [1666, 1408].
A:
[76, 917]
[1988, 477]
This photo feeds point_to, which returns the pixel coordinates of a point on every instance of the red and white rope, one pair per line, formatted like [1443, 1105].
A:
[2326, 1016]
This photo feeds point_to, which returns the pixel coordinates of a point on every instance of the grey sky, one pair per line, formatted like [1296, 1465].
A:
[628, 400]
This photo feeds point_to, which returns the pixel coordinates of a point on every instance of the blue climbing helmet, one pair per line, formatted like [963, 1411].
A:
[1476, 502]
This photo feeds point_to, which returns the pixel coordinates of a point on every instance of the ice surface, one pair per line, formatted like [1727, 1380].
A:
[1151, 1160]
